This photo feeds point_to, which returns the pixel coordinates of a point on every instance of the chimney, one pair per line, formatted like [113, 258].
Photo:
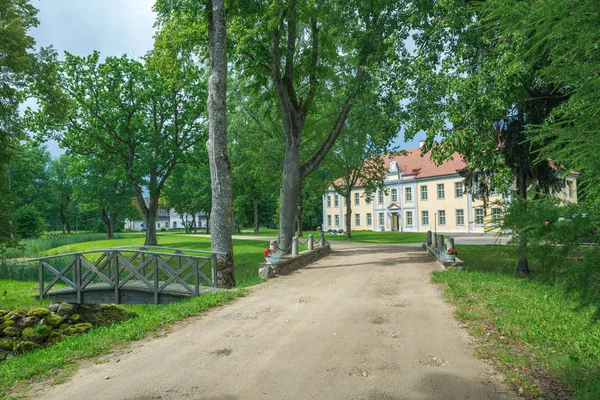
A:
[421, 143]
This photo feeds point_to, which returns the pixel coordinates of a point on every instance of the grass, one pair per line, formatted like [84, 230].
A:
[17, 294]
[541, 336]
[63, 358]
[357, 236]
[29, 248]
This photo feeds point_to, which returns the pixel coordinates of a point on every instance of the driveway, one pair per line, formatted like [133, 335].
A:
[362, 323]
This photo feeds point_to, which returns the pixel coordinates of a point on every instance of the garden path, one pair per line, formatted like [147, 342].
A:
[362, 323]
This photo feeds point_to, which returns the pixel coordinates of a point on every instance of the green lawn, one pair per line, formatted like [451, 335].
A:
[533, 329]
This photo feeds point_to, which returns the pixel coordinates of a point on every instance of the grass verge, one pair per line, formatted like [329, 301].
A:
[545, 341]
[62, 359]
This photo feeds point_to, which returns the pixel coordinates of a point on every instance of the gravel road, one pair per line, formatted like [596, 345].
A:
[362, 323]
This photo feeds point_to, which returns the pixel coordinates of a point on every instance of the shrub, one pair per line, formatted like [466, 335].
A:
[29, 222]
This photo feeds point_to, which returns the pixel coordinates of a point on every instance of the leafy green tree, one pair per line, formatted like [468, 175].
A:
[62, 191]
[103, 189]
[188, 190]
[29, 222]
[473, 97]
[17, 63]
[142, 117]
[558, 40]
[317, 59]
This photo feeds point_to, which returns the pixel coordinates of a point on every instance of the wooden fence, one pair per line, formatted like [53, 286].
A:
[142, 269]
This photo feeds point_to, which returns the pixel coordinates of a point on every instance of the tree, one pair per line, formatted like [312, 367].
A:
[29, 222]
[559, 42]
[188, 190]
[357, 156]
[17, 62]
[472, 94]
[317, 59]
[62, 186]
[220, 168]
[142, 117]
[102, 188]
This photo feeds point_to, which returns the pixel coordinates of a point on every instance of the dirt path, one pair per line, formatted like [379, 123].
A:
[363, 323]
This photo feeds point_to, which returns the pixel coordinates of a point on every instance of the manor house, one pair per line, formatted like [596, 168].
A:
[420, 196]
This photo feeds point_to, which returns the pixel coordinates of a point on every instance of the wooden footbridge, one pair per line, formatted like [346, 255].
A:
[140, 275]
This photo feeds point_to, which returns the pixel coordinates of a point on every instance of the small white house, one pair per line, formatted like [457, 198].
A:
[166, 219]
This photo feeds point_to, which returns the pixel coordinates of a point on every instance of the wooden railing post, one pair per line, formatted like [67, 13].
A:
[214, 270]
[156, 299]
[41, 280]
[311, 242]
[77, 267]
[196, 278]
[117, 294]
[295, 246]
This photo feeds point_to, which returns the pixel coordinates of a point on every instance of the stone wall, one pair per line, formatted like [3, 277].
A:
[288, 263]
[29, 329]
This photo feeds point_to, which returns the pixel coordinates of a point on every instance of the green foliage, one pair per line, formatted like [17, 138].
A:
[29, 222]
[537, 330]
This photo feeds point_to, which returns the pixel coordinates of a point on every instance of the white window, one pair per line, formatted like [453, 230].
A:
[369, 219]
[357, 219]
[570, 188]
[441, 193]
[459, 189]
[380, 219]
[174, 224]
[357, 199]
[158, 224]
[328, 201]
[409, 218]
[494, 191]
[337, 221]
[441, 217]
[394, 195]
[408, 194]
[367, 200]
[336, 201]
[380, 197]
[166, 224]
[479, 216]
[423, 192]
[329, 220]
[460, 217]
[496, 215]
[424, 217]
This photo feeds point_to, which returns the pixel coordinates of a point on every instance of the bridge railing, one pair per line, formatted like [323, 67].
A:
[117, 266]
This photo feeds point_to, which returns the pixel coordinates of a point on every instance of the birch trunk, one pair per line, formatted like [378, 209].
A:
[220, 168]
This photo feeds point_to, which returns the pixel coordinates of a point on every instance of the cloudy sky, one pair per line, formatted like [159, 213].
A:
[113, 27]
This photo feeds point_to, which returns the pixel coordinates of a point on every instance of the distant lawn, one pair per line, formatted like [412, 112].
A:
[380, 237]
[534, 330]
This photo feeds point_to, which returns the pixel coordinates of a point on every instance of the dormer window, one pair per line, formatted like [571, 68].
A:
[393, 166]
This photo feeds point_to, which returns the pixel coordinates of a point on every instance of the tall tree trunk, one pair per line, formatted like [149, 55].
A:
[255, 203]
[104, 217]
[152, 211]
[290, 186]
[347, 197]
[523, 264]
[300, 217]
[220, 168]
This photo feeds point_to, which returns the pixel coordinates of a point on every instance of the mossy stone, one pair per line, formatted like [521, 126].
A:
[3, 312]
[55, 337]
[3, 354]
[53, 320]
[7, 344]
[81, 328]
[38, 312]
[65, 309]
[12, 331]
[8, 322]
[75, 318]
[65, 329]
[32, 334]
[15, 314]
[26, 346]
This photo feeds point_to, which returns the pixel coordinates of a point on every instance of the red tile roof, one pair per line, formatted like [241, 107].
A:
[422, 166]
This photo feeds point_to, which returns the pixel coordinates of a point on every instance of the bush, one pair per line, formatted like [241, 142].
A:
[29, 222]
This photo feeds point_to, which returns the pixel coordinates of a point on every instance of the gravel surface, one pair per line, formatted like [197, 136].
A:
[362, 323]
